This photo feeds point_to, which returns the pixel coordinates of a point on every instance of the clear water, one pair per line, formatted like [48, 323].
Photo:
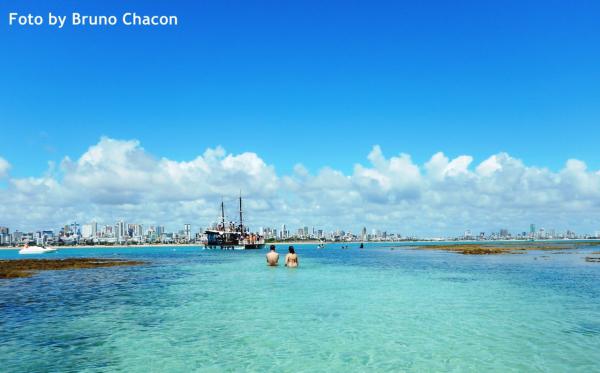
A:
[375, 309]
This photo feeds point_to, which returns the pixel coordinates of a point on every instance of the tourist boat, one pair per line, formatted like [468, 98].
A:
[232, 236]
[36, 250]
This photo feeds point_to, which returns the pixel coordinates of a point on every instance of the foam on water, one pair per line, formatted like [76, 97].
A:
[342, 310]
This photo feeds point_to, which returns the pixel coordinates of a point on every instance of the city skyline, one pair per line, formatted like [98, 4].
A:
[124, 233]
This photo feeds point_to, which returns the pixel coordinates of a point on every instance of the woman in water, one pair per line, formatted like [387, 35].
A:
[291, 259]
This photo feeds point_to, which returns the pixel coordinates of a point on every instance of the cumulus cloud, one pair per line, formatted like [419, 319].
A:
[119, 179]
[4, 167]
[117, 172]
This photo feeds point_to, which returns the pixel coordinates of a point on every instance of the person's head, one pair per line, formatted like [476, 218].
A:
[292, 251]
[272, 247]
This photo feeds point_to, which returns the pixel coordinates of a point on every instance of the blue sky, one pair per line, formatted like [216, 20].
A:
[311, 82]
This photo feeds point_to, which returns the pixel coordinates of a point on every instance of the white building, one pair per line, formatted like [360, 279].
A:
[121, 230]
[283, 232]
[187, 231]
[89, 230]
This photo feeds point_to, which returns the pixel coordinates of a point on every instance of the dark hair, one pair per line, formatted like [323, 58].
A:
[292, 251]
[272, 247]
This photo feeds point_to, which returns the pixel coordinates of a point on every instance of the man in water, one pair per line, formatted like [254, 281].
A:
[272, 257]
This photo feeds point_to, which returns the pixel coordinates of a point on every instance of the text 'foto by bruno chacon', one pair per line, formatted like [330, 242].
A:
[76, 19]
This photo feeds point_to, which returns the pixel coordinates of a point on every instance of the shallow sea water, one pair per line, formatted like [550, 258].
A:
[375, 309]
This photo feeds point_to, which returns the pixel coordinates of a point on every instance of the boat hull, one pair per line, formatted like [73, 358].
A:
[234, 247]
[36, 250]
[224, 247]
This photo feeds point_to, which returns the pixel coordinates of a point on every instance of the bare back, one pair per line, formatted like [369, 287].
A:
[272, 258]
[291, 260]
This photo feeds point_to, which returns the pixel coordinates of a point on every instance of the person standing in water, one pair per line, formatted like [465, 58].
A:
[291, 259]
[272, 257]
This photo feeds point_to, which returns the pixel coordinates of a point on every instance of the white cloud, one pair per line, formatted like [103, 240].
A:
[387, 180]
[120, 179]
[439, 166]
[4, 167]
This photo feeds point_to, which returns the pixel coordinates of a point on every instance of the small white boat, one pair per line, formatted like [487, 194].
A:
[36, 250]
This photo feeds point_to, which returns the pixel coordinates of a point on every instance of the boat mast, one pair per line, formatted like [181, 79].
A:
[222, 214]
[241, 221]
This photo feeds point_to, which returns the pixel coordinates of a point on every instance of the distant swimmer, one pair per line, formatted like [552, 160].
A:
[272, 257]
[291, 259]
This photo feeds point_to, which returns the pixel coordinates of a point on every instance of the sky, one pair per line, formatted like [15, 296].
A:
[340, 110]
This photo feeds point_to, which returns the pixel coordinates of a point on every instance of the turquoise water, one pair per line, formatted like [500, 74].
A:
[375, 309]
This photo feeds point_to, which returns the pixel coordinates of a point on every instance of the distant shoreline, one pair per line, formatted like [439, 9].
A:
[315, 242]
[108, 246]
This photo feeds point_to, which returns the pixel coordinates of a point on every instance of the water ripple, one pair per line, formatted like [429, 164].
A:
[342, 310]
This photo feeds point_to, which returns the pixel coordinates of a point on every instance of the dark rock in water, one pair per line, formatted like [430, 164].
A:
[471, 249]
[27, 267]
[488, 248]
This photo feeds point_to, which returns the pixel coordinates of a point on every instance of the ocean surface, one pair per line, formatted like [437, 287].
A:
[375, 309]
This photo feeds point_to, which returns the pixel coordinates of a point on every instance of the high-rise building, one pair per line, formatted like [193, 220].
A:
[108, 231]
[135, 230]
[86, 231]
[121, 231]
[283, 232]
[17, 237]
[187, 231]
[5, 237]
[89, 230]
